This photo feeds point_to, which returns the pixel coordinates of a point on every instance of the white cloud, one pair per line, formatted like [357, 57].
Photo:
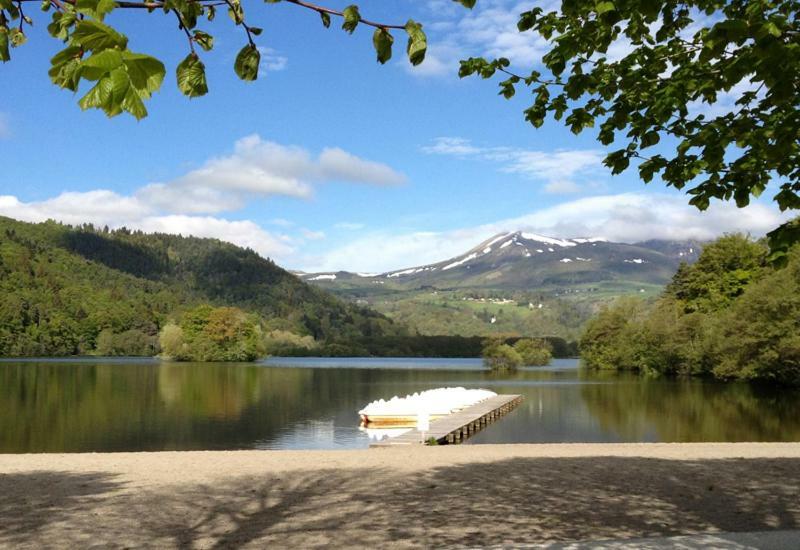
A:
[243, 233]
[312, 235]
[100, 207]
[108, 208]
[553, 167]
[271, 60]
[338, 165]
[256, 168]
[186, 198]
[557, 169]
[629, 217]
[452, 146]
[259, 168]
[488, 30]
[562, 187]
[5, 128]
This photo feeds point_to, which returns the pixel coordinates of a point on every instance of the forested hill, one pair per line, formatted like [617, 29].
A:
[61, 286]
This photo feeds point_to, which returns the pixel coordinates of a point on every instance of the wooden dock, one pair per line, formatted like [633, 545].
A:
[457, 427]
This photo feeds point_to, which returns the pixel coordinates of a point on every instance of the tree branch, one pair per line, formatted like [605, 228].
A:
[322, 9]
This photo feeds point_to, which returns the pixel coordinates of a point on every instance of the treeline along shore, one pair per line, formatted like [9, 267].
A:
[73, 291]
[732, 315]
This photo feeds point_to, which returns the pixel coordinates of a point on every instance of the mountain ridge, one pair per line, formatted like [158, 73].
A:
[519, 259]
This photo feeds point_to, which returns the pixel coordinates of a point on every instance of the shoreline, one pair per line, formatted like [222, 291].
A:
[464, 495]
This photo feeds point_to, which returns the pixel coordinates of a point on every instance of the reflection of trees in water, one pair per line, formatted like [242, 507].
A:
[102, 407]
[49, 407]
[691, 410]
[114, 407]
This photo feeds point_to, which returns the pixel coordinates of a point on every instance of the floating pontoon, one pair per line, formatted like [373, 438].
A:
[435, 404]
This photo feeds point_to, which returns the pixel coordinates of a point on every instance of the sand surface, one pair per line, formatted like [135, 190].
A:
[471, 495]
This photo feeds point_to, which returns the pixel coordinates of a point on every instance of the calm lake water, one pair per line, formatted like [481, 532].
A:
[145, 405]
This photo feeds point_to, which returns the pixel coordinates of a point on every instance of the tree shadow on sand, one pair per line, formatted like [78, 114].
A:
[518, 500]
[31, 501]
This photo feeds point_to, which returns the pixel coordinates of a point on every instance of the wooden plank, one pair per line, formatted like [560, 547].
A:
[460, 425]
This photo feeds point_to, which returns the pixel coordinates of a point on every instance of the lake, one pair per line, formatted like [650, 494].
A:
[129, 404]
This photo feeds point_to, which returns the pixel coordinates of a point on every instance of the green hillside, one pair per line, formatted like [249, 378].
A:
[61, 286]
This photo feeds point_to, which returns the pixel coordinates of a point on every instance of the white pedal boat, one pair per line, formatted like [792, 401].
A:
[436, 403]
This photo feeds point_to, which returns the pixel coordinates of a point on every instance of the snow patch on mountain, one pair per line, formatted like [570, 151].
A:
[497, 238]
[326, 277]
[590, 240]
[462, 261]
[547, 240]
[401, 273]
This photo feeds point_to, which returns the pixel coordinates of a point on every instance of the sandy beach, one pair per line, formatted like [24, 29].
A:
[467, 495]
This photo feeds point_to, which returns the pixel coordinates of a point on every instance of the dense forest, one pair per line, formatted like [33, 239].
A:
[731, 315]
[85, 290]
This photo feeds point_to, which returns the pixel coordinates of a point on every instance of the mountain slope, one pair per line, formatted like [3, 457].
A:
[524, 261]
[515, 283]
[62, 285]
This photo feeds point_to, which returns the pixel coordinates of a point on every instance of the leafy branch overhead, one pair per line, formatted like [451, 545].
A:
[122, 80]
[633, 69]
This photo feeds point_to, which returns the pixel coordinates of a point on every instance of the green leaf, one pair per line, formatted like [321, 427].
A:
[64, 68]
[98, 97]
[351, 18]
[326, 19]
[256, 31]
[417, 42]
[247, 62]
[204, 40]
[781, 240]
[17, 37]
[97, 9]
[650, 138]
[235, 12]
[5, 55]
[604, 7]
[101, 63]
[120, 82]
[466, 3]
[61, 24]
[10, 7]
[146, 73]
[93, 35]
[191, 75]
[133, 104]
[383, 40]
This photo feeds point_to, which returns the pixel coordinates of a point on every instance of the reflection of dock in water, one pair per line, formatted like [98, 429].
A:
[456, 427]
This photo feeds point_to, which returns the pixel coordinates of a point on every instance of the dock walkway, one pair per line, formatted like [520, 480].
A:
[456, 427]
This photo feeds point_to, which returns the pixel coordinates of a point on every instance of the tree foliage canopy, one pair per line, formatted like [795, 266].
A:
[729, 315]
[676, 54]
[121, 79]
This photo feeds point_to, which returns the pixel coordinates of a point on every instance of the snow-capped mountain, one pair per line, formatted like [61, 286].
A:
[527, 260]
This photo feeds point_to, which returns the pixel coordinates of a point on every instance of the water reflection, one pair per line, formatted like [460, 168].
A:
[145, 405]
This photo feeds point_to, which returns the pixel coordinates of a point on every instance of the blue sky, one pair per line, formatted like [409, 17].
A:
[330, 160]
